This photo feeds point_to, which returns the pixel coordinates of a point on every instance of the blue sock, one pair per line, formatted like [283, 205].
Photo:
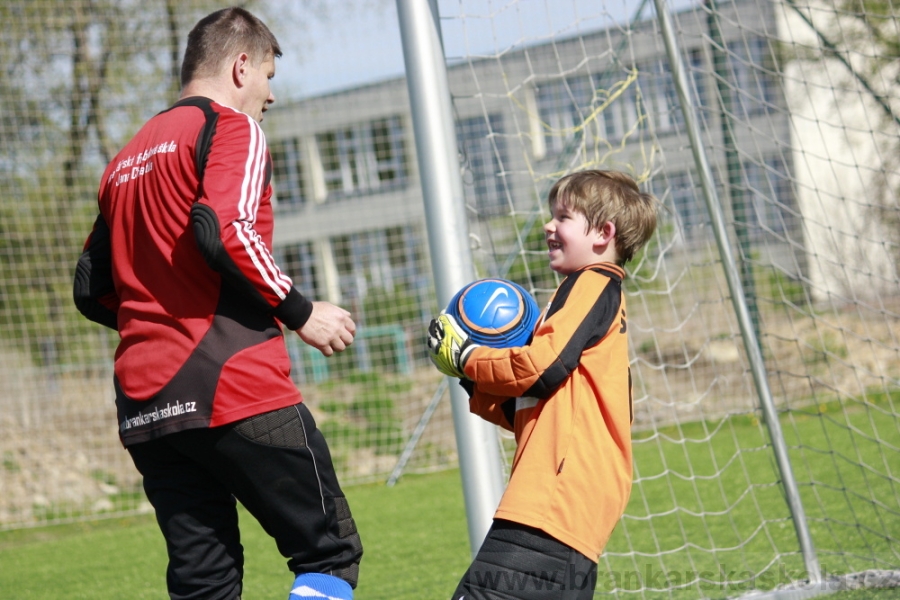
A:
[318, 586]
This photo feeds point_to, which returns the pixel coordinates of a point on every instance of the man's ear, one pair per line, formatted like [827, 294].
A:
[239, 69]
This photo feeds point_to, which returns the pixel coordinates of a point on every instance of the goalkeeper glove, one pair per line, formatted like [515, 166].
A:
[449, 345]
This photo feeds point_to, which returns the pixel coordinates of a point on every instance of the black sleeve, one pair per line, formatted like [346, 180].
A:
[93, 278]
[593, 328]
[293, 311]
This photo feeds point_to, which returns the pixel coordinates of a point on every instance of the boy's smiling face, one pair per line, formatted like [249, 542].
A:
[571, 243]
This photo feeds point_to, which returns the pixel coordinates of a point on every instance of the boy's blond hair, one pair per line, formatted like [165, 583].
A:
[614, 196]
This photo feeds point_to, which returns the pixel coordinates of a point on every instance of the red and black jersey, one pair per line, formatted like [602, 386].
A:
[179, 262]
[567, 396]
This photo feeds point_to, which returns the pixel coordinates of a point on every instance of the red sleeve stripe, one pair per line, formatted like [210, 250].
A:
[251, 191]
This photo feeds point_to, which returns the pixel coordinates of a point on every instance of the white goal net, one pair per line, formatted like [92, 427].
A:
[796, 113]
[797, 107]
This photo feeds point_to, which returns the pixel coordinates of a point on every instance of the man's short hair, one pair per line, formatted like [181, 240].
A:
[218, 37]
[613, 196]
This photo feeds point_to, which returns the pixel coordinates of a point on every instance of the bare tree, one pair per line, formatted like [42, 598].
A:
[77, 79]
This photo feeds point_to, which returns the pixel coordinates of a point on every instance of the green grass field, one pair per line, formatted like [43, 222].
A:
[712, 491]
[416, 545]
[414, 533]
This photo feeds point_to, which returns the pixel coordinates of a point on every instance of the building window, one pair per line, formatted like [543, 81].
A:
[698, 70]
[753, 86]
[364, 158]
[680, 192]
[298, 262]
[570, 108]
[769, 196]
[483, 157]
[387, 139]
[378, 261]
[287, 172]
[660, 100]
[622, 114]
[335, 152]
[566, 109]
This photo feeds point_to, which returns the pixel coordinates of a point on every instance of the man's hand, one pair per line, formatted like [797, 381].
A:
[449, 346]
[329, 328]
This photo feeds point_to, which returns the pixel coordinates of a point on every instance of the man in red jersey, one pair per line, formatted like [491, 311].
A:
[179, 263]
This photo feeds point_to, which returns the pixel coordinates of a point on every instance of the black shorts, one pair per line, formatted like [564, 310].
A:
[517, 562]
[278, 466]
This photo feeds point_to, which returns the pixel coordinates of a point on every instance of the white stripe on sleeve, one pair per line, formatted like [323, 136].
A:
[251, 191]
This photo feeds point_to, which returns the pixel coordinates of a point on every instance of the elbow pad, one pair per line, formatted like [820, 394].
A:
[206, 230]
[85, 297]
[205, 223]
[293, 311]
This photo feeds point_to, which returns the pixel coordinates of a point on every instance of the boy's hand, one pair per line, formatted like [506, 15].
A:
[449, 346]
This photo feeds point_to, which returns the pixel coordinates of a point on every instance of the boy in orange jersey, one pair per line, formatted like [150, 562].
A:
[566, 395]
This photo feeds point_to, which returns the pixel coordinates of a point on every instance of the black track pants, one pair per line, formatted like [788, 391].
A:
[278, 466]
[516, 562]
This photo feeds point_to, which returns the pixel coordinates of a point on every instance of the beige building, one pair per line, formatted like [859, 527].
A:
[350, 213]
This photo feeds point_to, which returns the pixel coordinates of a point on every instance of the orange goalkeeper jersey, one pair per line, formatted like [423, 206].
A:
[567, 396]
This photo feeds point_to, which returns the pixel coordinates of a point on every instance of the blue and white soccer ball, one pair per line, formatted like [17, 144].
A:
[495, 312]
